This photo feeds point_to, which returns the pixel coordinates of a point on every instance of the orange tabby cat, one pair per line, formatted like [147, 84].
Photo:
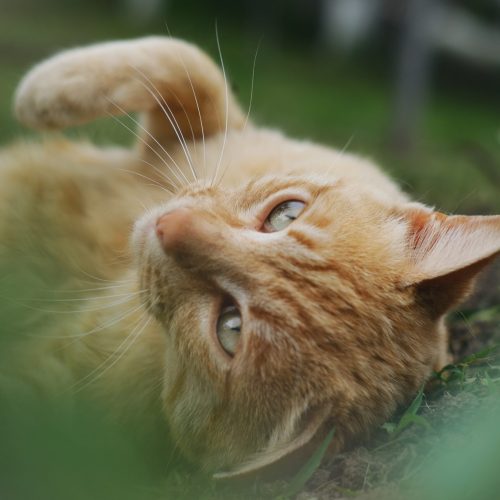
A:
[282, 289]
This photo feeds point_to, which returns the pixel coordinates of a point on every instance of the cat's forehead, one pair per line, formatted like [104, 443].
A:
[261, 194]
[254, 194]
[260, 189]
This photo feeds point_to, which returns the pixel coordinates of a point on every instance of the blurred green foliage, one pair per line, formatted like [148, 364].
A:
[46, 455]
[464, 468]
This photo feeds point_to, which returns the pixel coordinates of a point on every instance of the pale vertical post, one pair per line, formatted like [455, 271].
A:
[413, 72]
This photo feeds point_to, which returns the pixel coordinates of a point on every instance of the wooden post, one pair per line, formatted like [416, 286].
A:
[413, 73]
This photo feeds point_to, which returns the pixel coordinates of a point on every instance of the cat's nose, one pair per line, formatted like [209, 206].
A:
[172, 227]
[186, 230]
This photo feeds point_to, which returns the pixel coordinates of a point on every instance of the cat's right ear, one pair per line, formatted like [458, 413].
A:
[446, 253]
[176, 87]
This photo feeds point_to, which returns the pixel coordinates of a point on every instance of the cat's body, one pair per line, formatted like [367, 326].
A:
[342, 312]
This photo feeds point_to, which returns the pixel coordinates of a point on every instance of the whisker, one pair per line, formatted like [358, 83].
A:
[249, 108]
[186, 114]
[86, 290]
[226, 105]
[100, 370]
[346, 146]
[197, 107]
[224, 171]
[96, 278]
[73, 311]
[249, 105]
[161, 158]
[100, 327]
[88, 299]
[252, 84]
[125, 282]
[162, 174]
[154, 92]
[143, 205]
[155, 183]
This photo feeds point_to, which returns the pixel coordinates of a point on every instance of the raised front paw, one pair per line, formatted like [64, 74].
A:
[170, 80]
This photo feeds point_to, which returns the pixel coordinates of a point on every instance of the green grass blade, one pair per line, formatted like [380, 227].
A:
[480, 355]
[297, 484]
[416, 403]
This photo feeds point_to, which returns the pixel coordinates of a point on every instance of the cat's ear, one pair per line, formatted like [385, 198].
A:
[284, 455]
[447, 253]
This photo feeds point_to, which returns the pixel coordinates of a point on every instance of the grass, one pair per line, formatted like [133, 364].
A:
[309, 94]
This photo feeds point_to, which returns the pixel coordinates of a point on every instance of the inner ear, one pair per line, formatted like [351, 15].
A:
[441, 294]
[446, 253]
[284, 457]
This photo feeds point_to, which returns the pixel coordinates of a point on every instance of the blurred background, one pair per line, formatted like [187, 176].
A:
[413, 84]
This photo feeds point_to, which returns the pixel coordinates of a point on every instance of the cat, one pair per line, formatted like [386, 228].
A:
[273, 289]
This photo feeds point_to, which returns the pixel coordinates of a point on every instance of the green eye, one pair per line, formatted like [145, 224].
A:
[229, 329]
[283, 215]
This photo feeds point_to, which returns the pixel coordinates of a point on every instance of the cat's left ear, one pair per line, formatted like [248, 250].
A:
[447, 253]
[284, 455]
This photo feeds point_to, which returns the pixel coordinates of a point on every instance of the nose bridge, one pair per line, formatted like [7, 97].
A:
[203, 242]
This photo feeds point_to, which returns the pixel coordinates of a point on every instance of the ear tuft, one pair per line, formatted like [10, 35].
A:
[442, 244]
[447, 253]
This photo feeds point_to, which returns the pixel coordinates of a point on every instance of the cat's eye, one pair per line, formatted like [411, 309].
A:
[229, 329]
[283, 215]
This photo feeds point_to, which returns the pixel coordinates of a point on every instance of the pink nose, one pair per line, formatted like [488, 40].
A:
[174, 227]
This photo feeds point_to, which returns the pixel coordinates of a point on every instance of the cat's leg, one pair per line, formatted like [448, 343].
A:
[178, 89]
[66, 291]
[66, 213]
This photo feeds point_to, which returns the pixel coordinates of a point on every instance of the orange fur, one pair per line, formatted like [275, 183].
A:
[342, 311]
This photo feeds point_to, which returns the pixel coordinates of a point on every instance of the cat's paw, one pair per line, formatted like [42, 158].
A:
[170, 80]
[70, 88]
[48, 100]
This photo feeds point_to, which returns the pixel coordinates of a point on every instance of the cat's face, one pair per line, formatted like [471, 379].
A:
[279, 298]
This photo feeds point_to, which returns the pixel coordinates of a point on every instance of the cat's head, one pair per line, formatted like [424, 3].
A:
[296, 304]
